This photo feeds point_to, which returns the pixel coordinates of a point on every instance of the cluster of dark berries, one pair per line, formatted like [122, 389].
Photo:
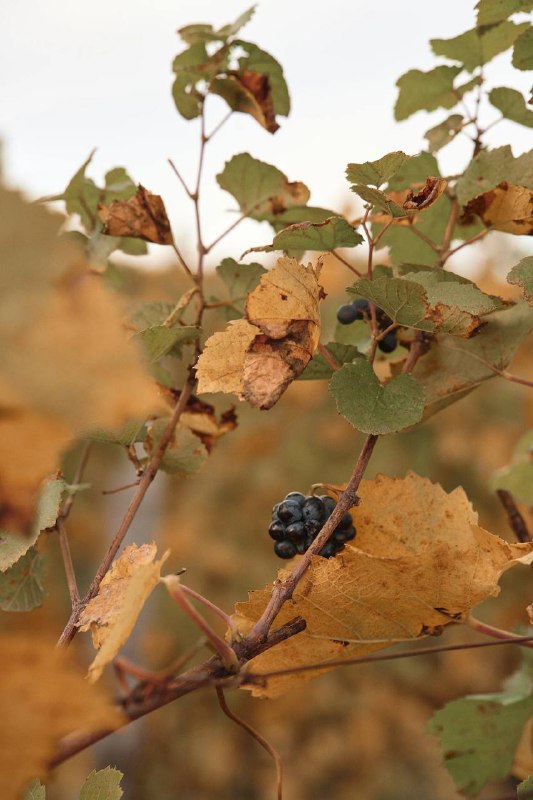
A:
[297, 520]
[360, 309]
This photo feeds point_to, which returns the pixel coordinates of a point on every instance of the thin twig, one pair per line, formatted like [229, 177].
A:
[67, 562]
[490, 630]
[346, 263]
[122, 488]
[196, 200]
[182, 260]
[148, 476]
[78, 475]
[218, 126]
[473, 239]
[516, 520]
[257, 736]
[513, 378]
[177, 173]
[333, 363]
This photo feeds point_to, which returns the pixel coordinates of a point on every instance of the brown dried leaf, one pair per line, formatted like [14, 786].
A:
[112, 614]
[420, 563]
[427, 196]
[143, 216]
[201, 419]
[507, 208]
[43, 697]
[250, 93]
[258, 359]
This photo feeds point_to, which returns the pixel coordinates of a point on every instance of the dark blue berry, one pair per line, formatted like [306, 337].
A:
[302, 546]
[347, 314]
[346, 521]
[289, 511]
[312, 526]
[313, 508]
[277, 530]
[388, 344]
[329, 550]
[296, 497]
[295, 531]
[285, 549]
[344, 534]
[329, 504]
[361, 305]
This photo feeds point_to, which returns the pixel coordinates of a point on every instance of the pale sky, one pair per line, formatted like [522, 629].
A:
[81, 75]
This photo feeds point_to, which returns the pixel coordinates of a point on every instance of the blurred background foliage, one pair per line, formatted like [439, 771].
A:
[358, 732]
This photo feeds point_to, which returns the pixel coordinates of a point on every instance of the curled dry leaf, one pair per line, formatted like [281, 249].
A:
[507, 208]
[143, 216]
[250, 93]
[420, 562]
[201, 419]
[413, 200]
[259, 357]
[43, 696]
[112, 614]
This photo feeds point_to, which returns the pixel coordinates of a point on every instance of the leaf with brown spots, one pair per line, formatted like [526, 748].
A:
[143, 216]
[507, 208]
[419, 562]
[425, 197]
[258, 358]
[249, 93]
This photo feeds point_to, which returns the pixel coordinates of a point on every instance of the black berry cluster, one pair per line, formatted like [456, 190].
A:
[360, 309]
[297, 520]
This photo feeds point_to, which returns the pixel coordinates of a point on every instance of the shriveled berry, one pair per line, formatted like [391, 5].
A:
[285, 549]
[289, 511]
[388, 344]
[277, 530]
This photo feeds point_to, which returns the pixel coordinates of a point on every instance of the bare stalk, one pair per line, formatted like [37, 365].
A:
[516, 520]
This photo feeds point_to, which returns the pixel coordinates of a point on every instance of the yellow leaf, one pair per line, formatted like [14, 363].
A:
[507, 208]
[112, 614]
[258, 359]
[419, 562]
[43, 697]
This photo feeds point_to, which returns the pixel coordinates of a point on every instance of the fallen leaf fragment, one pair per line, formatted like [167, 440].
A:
[143, 216]
[507, 208]
[112, 614]
[43, 697]
[258, 358]
[419, 562]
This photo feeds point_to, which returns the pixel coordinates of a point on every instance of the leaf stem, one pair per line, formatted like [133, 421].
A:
[67, 562]
[346, 263]
[516, 520]
[265, 744]
[490, 630]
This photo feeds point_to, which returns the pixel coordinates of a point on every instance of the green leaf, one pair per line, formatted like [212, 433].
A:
[159, 340]
[194, 68]
[444, 132]
[452, 290]
[379, 200]
[453, 366]
[301, 214]
[371, 407]
[102, 785]
[192, 34]
[376, 172]
[186, 453]
[525, 789]
[479, 45]
[492, 11]
[523, 51]
[21, 586]
[149, 314]
[479, 735]
[35, 791]
[261, 190]
[492, 167]
[240, 279]
[415, 171]
[14, 545]
[320, 236]
[512, 105]
[320, 369]
[522, 275]
[425, 91]
[126, 435]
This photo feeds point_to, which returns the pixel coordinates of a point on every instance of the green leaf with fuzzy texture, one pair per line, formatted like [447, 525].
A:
[318, 236]
[319, 368]
[479, 736]
[14, 545]
[124, 436]
[523, 51]
[522, 275]
[454, 366]
[371, 407]
[21, 587]
[186, 453]
[524, 790]
[376, 172]
[491, 11]
[159, 340]
[199, 32]
[492, 167]
[240, 279]
[257, 60]
[261, 190]
[35, 791]
[512, 105]
[479, 45]
[102, 785]
[444, 132]
[425, 91]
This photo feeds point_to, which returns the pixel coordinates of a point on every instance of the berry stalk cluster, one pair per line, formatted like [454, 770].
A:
[297, 520]
[360, 309]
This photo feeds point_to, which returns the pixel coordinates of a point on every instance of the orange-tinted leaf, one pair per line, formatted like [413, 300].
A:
[425, 197]
[143, 216]
[507, 208]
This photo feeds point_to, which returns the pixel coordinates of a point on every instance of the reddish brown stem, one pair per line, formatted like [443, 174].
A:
[516, 520]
